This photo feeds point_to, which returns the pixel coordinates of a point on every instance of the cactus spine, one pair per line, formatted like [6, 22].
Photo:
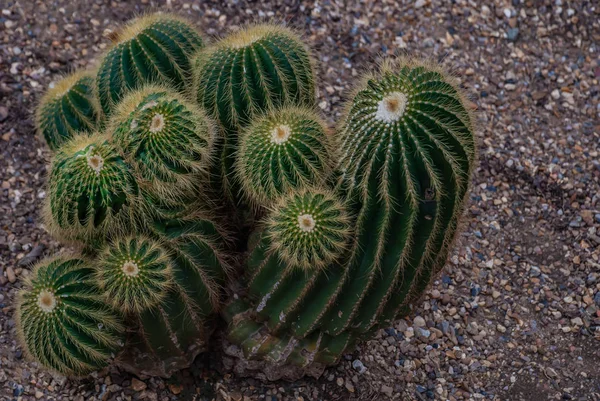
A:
[151, 49]
[91, 190]
[257, 69]
[166, 139]
[63, 321]
[285, 150]
[68, 109]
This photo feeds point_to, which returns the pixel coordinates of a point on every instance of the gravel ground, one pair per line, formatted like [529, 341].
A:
[516, 314]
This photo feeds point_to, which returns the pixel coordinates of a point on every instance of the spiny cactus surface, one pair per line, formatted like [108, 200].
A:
[177, 328]
[68, 109]
[286, 150]
[407, 150]
[152, 49]
[166, 139]
[91, 190]
[134, 273]
[252, 71]
[63, 320]
[305, 234]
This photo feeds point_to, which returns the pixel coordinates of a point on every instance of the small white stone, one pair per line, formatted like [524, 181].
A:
[419, 322]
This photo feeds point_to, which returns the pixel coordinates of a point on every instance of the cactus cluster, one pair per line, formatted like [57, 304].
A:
[200, 184]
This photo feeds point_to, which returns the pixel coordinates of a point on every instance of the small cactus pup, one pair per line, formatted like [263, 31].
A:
[170, 334]
[256, 69]
[298, 262]
[286, 150]
[91, 191]
[63, 321]
[166, 139]
[407, 151]
[69, 108]
[135, 274]
[152, 49]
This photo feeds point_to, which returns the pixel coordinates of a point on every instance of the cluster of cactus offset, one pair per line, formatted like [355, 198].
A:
[199, 182]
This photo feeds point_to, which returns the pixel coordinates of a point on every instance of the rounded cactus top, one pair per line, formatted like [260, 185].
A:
[253, 70]
[165, 138]
[134, 274]
[67, 109]
[397, 115]
[285, 150]
[154, 48]
[90, 190]
[309, 229]
[63, 320]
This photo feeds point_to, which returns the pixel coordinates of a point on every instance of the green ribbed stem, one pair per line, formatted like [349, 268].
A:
[257, 343]
[252, 71]
[63, 321]
[91, 191]
[166, 139]
[283, 151]
[407, 150]
[407, 153]
[152, 49]
[135, 274]
[68, 109]
[195, 249]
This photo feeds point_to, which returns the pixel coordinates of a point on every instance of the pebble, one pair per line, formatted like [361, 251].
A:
[137, 385]
[358, 366]
[419, 321]
[10, 275]
[512, 34]
[387, 390]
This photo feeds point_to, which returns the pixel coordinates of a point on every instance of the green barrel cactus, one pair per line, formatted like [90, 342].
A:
[254, 70]
[156, 48]
[68, 109]
[285, 150]
[63, 321]
[91, 191]
[135, 274]
[407, 152]
[407, 149]
[166, 139]
[177, 328]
